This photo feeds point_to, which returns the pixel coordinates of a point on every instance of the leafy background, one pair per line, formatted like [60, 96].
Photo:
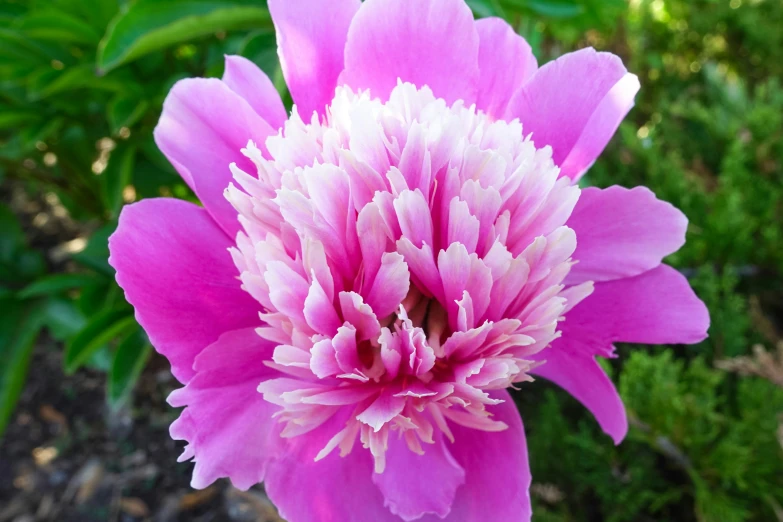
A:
[82, 393]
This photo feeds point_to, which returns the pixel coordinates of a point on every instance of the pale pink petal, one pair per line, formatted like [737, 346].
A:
[360, 315]
[390, 286]
[323, 360]
[623, 232]
[414, 485]
[424, 42]
[334, 489]
[497, 474]
[311, 36]
[319, 310]
[202, 130]
[414, 217]
[506, 62]
[227, 423]
[173, 262]
[245, 78]
[383, 409]
[575, 104]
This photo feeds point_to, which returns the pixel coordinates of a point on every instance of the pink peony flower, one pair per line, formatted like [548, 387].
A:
[369, 275]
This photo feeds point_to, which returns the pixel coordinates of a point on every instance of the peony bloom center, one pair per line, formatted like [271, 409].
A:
[409, 257]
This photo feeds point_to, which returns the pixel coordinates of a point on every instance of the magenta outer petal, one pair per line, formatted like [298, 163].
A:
[424, 42]
[227, 422]
[203, 128]
[311, 37]
[656, 307]
[506, 62]
[496, 469]
[335, 489]
[172, 261]
[245, 78]
[340, 489]
[622, 233]
[571, 365]
[414, 485]
[575, 104]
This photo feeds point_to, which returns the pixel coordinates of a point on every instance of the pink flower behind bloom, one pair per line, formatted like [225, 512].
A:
[368, 276]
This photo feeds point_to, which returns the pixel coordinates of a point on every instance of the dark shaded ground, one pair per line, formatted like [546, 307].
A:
[67, 458]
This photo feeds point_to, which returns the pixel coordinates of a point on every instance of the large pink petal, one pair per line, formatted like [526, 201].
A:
[622, 233]
[172, 261]
[497, 474]
[203, 128]
[227, 423]
[506, 62]
[571, 364]
[424, 42]
[311, 37]
[245, 78]
[656, 307]
[335, 489]
[575, 104]
[414, 485]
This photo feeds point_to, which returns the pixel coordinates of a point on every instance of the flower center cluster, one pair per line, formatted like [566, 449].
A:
[409, 257]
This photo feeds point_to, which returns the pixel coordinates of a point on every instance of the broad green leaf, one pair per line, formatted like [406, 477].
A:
[146, 26]
[124, 111]
[96, 254]
[260, 47]
[482, 8]
[80, 76]
[117, 176]
[555, 9]
[101, 329]
[12, 119]
[11, 238]
[54, 284]
[20, 324]
[59, 26]
[129, 361]
[62, 318]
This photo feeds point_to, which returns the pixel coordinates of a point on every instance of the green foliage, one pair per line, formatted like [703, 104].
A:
[81, 89]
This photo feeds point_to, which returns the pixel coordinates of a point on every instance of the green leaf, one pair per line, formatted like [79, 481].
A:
[12, 119]
[59, 26]
[62, 318]
[102, 329]
[117, 176]
[19, 327]
[129, 361]
[260, 47]
[54, 284]
[554, 9]
[124, 111]
[81, 76]
[147, 26]
[12, 238]
[96, 254]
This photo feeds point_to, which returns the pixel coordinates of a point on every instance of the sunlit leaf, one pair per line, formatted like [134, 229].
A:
[147, 26]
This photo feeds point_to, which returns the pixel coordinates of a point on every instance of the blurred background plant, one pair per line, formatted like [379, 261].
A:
[81, 88]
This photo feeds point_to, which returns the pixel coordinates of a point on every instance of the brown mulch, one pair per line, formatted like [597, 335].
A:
[66, 457]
